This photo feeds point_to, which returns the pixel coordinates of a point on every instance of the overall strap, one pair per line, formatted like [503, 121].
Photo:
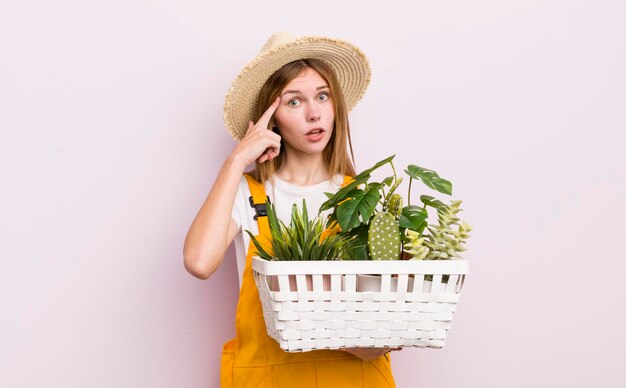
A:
[258, 202]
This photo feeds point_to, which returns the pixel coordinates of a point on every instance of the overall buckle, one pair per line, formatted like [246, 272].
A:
[259, 208]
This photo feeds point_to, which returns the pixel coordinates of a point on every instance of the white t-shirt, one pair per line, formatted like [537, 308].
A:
[283, 195]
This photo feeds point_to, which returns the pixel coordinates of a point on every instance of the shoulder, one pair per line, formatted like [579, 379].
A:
[341, 179]
[243, 193]
[243, 184]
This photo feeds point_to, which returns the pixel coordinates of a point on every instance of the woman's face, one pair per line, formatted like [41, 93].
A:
[305, 116]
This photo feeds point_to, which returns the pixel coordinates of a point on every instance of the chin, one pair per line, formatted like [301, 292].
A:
[312, 149]
[319, 147]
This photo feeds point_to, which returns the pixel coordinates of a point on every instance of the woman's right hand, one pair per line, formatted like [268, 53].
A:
[259, 143]
[213, 229]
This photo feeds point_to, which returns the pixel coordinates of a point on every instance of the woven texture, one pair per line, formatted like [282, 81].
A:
[330, 305]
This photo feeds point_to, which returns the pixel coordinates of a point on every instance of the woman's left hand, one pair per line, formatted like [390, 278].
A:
[368, 354]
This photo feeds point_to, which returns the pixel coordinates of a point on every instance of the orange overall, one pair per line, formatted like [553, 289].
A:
[254, 359]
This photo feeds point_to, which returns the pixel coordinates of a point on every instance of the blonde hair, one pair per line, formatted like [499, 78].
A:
[336, 151]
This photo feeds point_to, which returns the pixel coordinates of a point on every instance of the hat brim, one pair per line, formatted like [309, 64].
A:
[348, 62]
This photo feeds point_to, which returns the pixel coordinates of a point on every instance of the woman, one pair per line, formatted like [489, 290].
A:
[288, 110]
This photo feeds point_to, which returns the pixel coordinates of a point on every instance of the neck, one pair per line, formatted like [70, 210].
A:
[303, 169]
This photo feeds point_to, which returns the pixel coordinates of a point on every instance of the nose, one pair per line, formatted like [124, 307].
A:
[313, 113]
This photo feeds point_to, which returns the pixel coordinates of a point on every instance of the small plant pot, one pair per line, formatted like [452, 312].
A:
[373, 283]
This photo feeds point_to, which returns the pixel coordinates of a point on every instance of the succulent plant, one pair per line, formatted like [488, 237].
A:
[383, 237]
[441, 241]
[303, 239]
[414, 245]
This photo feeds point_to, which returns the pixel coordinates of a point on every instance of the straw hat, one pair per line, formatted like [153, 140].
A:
[349, 63]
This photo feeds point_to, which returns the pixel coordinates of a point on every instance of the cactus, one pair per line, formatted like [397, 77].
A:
[395, 206]
[383, 238]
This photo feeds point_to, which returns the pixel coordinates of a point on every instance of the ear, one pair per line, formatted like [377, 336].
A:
[273, 126]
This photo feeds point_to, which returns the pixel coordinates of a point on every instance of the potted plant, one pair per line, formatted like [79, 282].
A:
[312, 279]
[371, 214]
[380, 228]
[304, 239]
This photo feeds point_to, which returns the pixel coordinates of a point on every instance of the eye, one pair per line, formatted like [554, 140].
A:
[323, 96]
[293, 102]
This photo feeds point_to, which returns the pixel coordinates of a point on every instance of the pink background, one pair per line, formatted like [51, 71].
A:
[111, 134]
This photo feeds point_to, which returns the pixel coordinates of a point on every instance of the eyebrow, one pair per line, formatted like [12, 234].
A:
[299, 92]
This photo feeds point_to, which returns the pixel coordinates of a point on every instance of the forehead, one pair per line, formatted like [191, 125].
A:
[307, 78]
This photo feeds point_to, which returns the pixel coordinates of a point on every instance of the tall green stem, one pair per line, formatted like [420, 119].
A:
[383, 197]
[392, 188]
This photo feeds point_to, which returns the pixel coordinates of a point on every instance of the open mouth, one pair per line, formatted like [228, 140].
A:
[315, 135]
[315, 132]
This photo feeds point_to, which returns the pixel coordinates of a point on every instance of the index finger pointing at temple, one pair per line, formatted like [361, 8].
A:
[267, 115]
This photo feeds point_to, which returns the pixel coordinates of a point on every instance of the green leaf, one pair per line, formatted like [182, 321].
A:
[433, 202]
[374, 186]
[357, 209]
[414, 218]
[430, 179]
[262, 252]
[364, 175]
[272, 219]
[357, 247]
[339, 196]
[305, 212]
[359, 179]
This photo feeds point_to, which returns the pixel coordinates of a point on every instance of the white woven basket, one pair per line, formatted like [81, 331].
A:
[310, 305]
